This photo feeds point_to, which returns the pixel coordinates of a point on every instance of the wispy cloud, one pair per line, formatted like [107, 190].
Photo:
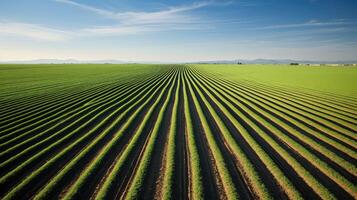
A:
[311, 23]
[86, 7]
[169, 18]
[306, 37]
[166, 19]
[125, 23]
[168, 15]
[34, 31]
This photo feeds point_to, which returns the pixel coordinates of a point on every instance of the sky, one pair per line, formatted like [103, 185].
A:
[178, 31]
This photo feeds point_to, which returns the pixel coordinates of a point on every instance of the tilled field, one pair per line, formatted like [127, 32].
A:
[176, 132]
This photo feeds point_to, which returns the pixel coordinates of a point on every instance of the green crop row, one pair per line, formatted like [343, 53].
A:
[137, 181]
[247, 167]
[300, 149]
[94, 107]
[82, 140]
[224, 175]
[196, 187]
[277, 110]
[30, 150]
[334, 114]
[167, 188]
[72, 165]
[16, 136]
[83, 131]
[118, 166]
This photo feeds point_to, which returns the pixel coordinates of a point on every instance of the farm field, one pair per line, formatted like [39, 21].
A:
[139, 131]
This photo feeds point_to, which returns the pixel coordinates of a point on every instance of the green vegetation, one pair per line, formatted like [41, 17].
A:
[167, 188]
[335, 80]
[178, 132]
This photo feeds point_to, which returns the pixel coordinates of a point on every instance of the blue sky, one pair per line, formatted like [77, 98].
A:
[172, 30]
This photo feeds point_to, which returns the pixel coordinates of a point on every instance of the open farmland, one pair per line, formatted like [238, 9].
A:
[178, 132]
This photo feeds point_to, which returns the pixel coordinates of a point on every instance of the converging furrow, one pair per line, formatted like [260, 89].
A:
[176, 132]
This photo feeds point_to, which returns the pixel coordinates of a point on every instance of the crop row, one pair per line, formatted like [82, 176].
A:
[178, 128]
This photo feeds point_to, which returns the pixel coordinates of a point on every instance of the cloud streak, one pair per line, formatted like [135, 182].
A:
[176, 14]
[311, 23]
[130, 22]
[125, 23]
[34, 31]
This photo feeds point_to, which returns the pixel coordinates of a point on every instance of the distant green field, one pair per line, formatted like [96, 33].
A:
[336, 80]
[177, 132]
[23, 80]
